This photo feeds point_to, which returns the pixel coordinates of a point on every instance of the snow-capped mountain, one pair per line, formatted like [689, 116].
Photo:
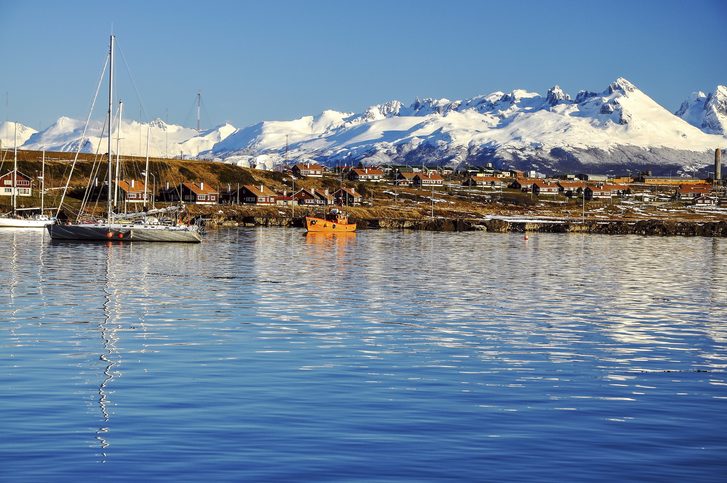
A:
[618, 129]
[164, 139]
[7, 134]
[706, 111]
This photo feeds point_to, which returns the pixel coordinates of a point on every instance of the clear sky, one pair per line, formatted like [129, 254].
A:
[276, 59]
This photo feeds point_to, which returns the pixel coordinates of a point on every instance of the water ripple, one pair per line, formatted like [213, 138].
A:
[267, 354]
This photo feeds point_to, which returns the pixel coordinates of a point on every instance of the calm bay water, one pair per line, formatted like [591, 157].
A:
[266, 354]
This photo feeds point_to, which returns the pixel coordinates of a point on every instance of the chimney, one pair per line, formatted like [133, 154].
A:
[326, 191]
[717, 164]
[261, 188]
[201, 185]
[313, 190]
[132, 183]
[167, 185]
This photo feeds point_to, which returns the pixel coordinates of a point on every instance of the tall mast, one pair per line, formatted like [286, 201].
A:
[15, 170]
[111, 112]
[42, 183]
[199, 103]
[118, 155]
[146, 168]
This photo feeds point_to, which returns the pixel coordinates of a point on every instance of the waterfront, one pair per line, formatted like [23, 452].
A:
[266, 354]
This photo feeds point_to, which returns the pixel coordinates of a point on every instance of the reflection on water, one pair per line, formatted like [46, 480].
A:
[271, 354]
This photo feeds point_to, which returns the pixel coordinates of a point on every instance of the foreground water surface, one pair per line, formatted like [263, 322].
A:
[266, 354]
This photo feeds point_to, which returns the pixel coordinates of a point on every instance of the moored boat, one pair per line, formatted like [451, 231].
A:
[37, 221]
[333, 222]
[125, 232]
[114, 227]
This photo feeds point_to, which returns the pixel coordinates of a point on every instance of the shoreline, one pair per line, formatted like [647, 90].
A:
[495, 224]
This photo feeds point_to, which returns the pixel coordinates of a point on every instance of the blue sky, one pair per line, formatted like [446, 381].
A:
[277, 59]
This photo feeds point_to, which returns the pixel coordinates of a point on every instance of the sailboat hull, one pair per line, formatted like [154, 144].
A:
[118, 232]
[24, 222]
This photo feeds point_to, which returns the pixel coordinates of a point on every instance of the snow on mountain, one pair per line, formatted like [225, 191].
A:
[206, 140]
[270, 138]
[7, 134]
[165, 140]
[617, 129]
[707, 112]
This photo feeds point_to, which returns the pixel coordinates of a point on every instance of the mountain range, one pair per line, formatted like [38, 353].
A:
[617, 130]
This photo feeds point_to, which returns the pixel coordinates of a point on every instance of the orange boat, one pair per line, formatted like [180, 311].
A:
[334, 222]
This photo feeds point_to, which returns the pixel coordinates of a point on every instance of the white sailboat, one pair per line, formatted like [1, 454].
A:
[113, 228]
[14, 219]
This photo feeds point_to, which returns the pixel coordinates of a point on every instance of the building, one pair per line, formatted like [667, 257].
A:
[491, 182]
[571, 188]
[257, 194]
[308, 170]
[523, 184]
[427, 179]
[668, 180]
[594, 178]
[405, 178]
[691, 191]
[195, 193]
[313, 197]
[23, 182]
[515, 173]
[347, 197]
[366, 174]
[544, 188]
[132, 191]
[598, 192]
[706, 200]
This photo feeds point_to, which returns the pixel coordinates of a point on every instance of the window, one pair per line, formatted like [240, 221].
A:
[8, 190]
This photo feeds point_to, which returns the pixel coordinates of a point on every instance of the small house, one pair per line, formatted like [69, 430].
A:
[544, 188]
[313, 197]
[132, 191]
[257, 194]
[570, 188]
[491, 182]
[405, 178]
[346, 197]
[523, 184]
[195, 193]
[688, 192]
[22, 187]
[366, 174]
[308, 170]
[431, 178]
[597, 192]
[705, 200]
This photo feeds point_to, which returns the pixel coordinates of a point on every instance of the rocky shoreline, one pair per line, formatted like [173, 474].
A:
[647, 227]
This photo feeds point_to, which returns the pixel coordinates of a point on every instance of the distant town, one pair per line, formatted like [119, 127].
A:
[382, 193]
